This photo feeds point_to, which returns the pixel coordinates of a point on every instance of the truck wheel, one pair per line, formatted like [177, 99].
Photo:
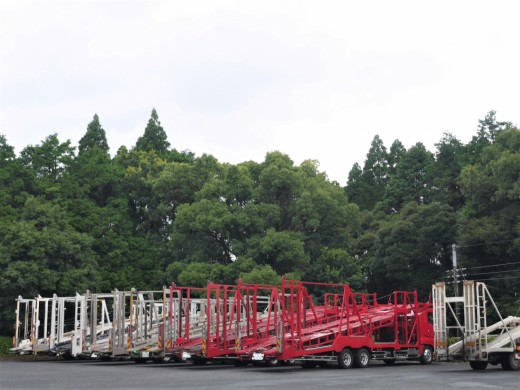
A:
[309, 364]
[478, 365]
[345, 359]
[272, 362]
[67, 356]
[164, 359]
[427, 356]
[361, 358]
[140, 360]
[509, 363]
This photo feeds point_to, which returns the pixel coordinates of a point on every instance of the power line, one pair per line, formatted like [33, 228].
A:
[488, 243]
[489, 266]
[493, 272]
[440, 254]
[507, 299]
[507, 277]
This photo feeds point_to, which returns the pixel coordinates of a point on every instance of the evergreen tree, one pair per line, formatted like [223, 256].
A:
[367, 187]
[14, 181]
[92, 175]
[94, 137]
[396, 153]
[412, 180]
[449, 161]
[46, 164]
[154, 137]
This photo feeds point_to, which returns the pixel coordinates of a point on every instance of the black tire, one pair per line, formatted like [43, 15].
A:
[361, 358]
[67, 356]
[478, 365]
[164, 359]
[346, 358]
[509, 363]
[308, 365]
[427, 356]
[140, 360]
[199, 361]
[272, 362]
[240, 363]
[290, 362]
[389, 362]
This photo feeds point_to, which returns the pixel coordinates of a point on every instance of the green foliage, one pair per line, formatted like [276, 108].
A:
[94, 138]
[41, 254]
[5, 345]
[46, 163]
[262, 274]
[154, 137]
[152, 215]
[409, 248]
[449, 161]
[367, 187]
[412, 180]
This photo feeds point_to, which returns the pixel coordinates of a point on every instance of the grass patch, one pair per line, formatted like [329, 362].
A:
[5, 345]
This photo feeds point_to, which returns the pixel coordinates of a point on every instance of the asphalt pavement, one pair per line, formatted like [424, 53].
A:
[85, 374]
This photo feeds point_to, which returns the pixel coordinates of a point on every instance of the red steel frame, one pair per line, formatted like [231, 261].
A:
[178, 334]
[233, 318]
[291, 324]
[233, 321]
[353, 321]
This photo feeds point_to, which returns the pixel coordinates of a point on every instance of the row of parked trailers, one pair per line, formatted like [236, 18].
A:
[309, 323]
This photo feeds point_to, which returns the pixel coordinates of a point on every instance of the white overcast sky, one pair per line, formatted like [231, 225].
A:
[237, 79]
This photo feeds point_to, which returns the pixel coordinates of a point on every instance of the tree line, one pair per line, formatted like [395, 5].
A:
[75, 218]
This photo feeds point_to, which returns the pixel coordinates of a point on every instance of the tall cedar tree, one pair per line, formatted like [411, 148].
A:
[154, 137]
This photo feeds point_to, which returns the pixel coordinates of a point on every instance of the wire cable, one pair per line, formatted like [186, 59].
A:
[489, 266]
[507, 277]
[492, 272]
[488, 243]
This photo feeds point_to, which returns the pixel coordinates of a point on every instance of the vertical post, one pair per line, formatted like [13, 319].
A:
[26, 334]
[17, 323]
[454, 264]
[455, 284]
[35, 324]
[54, 310]
[61, 318]
[45, 324]
[164, 332]
[93, 318]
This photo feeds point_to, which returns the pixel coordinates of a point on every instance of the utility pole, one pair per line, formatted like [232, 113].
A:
[455, 272]
[455, 280]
